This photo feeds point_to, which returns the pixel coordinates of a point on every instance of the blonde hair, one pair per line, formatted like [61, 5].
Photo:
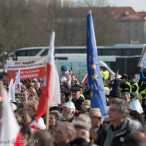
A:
[33, 90]
[33, 104]
[24, 115]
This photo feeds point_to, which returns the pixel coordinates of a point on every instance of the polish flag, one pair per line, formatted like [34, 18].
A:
[17, 82]
[10, 130]
[51, 86]
[11, 91]
[84, 81]
[14, 86]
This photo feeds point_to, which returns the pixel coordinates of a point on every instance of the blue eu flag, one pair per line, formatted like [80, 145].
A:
[98, 99]
[118, 71]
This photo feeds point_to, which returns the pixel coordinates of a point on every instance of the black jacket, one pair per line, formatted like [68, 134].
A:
[78, 103]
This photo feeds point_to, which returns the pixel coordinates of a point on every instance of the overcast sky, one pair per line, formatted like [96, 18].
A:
[137, 5]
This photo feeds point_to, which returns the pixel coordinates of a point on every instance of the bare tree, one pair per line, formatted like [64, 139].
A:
[29, 23]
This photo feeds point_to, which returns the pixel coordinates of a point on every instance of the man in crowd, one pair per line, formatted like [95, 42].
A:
[96, 119]
[115, 84]
[68, 111]
[64, 134]
[113, 95]
[134, 85]
[24, 95]
[125, 85]
[126, 96]
[77, 99]
[82, 127]
[119, 127]
[37, 87]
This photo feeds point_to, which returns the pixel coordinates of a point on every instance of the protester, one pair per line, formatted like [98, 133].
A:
[68, 111]
[33, 97]
[86, 105]
[115, 84]
[112, 95]
[126, 97]
[24, 95]
[22, 116]
[65, 74]
[82, 132]
[136, 116]
[37, 86]
[25, 133]
[77, 99]
[134, 139]
[41, 138]
[32, 107]
[96, 119]
[32, 91]
[64, 134]
[119, 126]
[54, 119]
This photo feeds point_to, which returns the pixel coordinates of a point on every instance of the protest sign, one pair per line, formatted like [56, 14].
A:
[29, 68]
[142, 61]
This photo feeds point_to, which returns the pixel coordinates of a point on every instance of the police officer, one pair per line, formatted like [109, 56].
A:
[134, 85]
[125, 85]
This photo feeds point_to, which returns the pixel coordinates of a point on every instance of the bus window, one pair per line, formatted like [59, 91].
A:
[70, 51]
[32, 52]
[45, 52]
[99, 52]
[107, 52]
[21, 53]
[131, 52]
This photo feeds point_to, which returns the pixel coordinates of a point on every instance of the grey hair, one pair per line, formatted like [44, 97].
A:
[126, 93]
[85, 119]
[122, 105]
[68, 128]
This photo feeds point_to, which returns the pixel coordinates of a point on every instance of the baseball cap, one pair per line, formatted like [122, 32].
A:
[124, 77]
[64, 67]
[75, 87]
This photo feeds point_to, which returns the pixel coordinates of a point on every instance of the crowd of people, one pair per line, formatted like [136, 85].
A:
[74, 122]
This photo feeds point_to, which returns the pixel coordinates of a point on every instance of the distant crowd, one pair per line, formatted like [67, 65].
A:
[74, 122]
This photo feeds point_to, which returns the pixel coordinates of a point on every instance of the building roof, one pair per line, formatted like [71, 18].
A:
[125, 13]
[142, 14]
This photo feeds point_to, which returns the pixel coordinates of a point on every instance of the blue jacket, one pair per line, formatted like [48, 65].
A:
[142, 77]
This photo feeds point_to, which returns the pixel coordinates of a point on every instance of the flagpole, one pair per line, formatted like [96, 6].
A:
[47, 114]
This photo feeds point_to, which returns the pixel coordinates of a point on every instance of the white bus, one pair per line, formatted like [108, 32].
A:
[116, 56]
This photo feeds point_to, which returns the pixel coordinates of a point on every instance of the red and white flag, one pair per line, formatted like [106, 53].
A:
[51, 86]
[17, 82]
[84, 81]
[10, 130]
[11, 91]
